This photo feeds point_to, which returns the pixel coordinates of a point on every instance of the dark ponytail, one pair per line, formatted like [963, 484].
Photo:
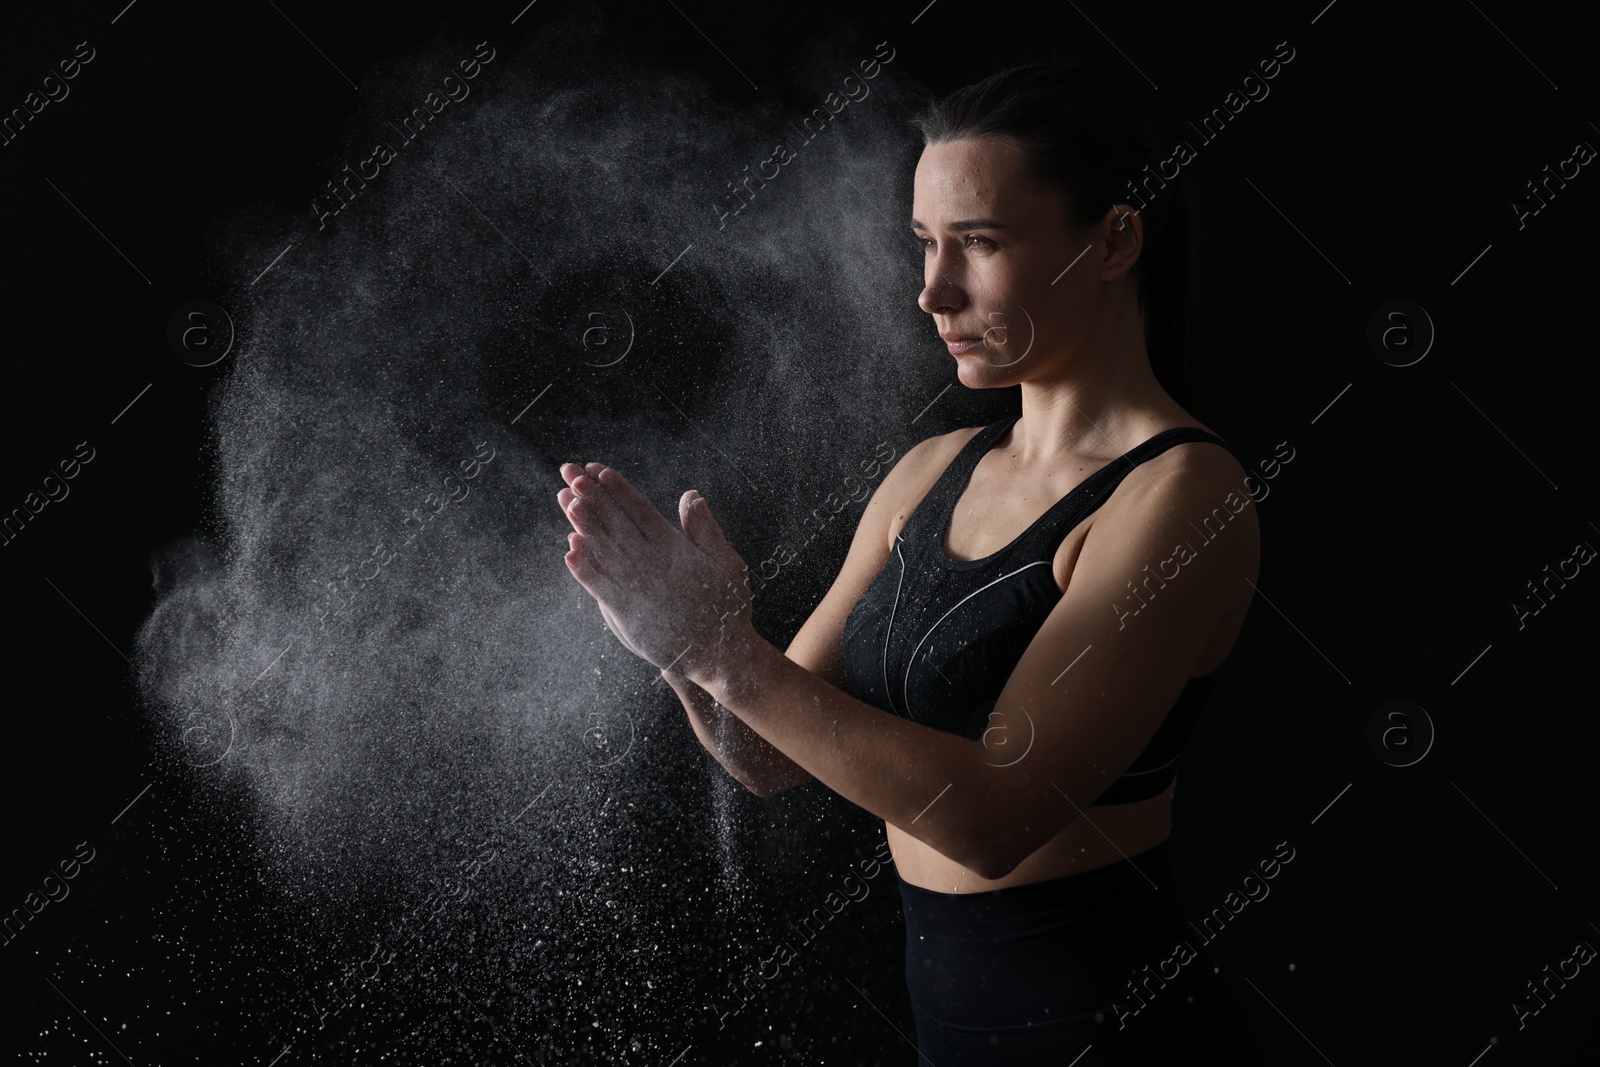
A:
[1077, 132]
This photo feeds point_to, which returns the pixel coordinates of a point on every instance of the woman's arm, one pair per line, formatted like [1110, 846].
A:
[746, 755]
[1086, 726]
[1089, 716]
[816, 647]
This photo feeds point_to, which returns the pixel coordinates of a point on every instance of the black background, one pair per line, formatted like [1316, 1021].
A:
[1417, 506]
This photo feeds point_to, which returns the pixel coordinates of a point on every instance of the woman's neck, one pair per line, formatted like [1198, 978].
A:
[1100, 412]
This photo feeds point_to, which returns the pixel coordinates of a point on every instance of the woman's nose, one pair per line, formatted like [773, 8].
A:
[940, 294]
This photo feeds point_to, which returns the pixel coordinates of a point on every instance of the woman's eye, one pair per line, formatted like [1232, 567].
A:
[972, 239]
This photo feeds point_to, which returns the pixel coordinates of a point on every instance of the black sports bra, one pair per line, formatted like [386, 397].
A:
[935, 638]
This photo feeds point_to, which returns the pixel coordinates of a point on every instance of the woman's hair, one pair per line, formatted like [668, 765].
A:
[1077, 132]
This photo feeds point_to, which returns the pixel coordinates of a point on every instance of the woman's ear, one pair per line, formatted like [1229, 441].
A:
[1122, 230]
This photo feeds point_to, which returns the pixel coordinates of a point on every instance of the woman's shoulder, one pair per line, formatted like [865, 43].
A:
[1206, 461]
[924, 461]
[1190, 477]
[947, 444]
[942, 448]
[919, 467]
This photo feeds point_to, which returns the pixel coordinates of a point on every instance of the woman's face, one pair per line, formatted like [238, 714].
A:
[996, 257]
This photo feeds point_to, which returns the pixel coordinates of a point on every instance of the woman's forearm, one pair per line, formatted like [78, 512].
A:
[894, 768]
[745, 754]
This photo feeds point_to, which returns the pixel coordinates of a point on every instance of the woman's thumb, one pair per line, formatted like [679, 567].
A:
[698, 524]
[705, 532]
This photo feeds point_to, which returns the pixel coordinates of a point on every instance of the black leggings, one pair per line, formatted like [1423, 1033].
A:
[1097, 969]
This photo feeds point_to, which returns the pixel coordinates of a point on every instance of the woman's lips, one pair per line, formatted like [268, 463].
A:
[963, 346]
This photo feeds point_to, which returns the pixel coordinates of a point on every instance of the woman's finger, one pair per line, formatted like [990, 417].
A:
[601, 548]
[612, 539]
[599, 513]
[569, 471]
[703, 530]
[596, 580]
[635, 505]
[602, 501]
[586, 515]
[600, 505]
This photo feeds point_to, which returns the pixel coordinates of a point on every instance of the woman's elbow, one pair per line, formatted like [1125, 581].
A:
[991, 866]
[982, 854]
[994, 855]
[766, 788]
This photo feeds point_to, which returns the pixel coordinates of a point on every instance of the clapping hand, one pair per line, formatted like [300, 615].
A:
[677, 598]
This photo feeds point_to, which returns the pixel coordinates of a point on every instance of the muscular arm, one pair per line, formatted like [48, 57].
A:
[1088, 725]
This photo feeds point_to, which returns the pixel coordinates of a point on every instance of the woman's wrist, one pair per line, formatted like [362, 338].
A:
[697, 699]
[730, 664]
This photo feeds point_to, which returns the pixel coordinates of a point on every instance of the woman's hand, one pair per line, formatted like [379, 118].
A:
[674, 598]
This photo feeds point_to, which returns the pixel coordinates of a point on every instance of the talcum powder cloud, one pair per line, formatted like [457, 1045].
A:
[461, 694]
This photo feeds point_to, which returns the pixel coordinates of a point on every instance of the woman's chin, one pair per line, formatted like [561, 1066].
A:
[979, 370]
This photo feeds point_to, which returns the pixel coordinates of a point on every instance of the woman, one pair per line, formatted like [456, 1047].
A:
[1017, 644]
